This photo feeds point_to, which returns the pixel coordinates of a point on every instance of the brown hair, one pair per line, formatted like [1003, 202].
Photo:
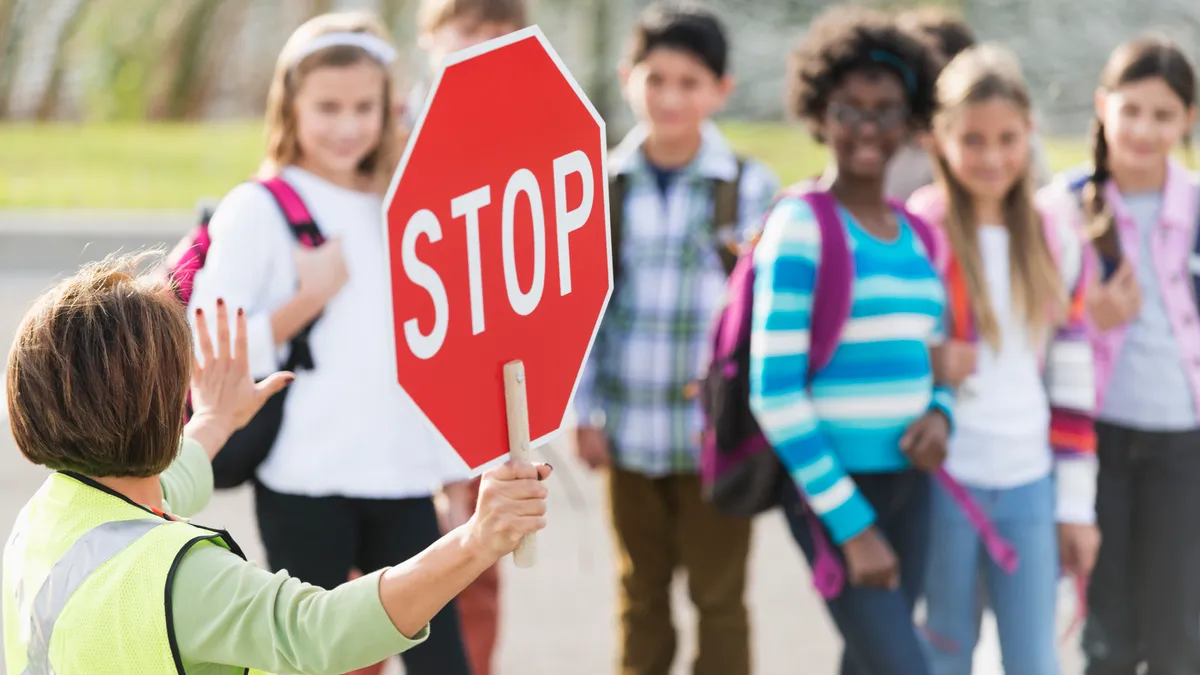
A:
[945, 26]
[434, 15]
[283, 147]
[1139, 59]
[978, 75]
[99, 371]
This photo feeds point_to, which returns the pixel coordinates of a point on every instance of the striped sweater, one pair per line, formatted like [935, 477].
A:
[851, 417]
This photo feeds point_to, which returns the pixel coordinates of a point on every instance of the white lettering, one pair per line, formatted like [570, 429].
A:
[523, 303]
[468, 205]
[566, 221]
[425, 346]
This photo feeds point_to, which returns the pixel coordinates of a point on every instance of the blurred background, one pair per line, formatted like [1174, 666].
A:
[157, 102]
[116, 116]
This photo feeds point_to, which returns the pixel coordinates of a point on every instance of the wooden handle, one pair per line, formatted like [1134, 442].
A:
[517, 407]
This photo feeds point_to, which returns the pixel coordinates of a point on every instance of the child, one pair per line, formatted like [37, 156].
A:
[680, 197]
[104, 574]
[349, 480]
[912, 167]
[860, 439]
[447, 26]
[1023, 429]
[1141, 206]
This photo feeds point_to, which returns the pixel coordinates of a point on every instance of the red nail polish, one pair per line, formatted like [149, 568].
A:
[199, 312]
[241, 311]
[220, 302]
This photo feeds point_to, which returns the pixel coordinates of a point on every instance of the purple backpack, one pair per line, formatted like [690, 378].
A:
[739, 469]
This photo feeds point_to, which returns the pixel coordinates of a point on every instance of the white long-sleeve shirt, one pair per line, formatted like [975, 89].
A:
[348, 427]
[1002, 431]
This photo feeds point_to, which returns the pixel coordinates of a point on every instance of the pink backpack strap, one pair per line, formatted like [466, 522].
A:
[298, 218]
[300, 222]
[1053, 236]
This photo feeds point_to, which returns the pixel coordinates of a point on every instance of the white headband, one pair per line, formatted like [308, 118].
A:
[378, 48]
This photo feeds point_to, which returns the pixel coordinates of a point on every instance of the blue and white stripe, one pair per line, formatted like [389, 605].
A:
[878, 381]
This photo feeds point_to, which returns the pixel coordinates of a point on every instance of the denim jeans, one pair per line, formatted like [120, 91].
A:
[1023, 602]
[1144, 596]
[877, 624]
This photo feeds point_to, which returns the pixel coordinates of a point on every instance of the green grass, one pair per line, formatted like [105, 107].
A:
[140, 166]
[153, 166]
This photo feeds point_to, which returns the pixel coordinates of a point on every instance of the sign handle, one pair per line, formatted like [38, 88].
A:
[517, 408]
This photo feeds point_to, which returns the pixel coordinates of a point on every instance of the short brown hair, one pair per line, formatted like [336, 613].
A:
[435, 14]
[99, 371]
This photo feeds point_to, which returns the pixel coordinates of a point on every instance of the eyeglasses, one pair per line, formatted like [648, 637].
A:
[889, 118]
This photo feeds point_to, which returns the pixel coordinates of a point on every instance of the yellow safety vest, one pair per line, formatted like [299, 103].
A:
[87, 583]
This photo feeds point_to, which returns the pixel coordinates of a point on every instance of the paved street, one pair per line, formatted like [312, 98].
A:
[559, 616]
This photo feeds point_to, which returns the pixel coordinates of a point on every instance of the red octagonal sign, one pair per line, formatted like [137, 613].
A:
[497, 223]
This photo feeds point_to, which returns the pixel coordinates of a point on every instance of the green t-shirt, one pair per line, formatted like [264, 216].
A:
[229, 611]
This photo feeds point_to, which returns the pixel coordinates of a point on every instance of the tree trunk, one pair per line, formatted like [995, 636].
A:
[13, 14]
[318, 7]
[191, 77]
[47, 107]
[392, 13]
[600, 86]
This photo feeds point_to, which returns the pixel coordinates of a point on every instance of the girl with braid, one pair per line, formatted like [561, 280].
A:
[1140, 206]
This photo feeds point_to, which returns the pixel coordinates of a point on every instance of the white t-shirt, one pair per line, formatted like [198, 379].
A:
[348, 428]
[1002, 425]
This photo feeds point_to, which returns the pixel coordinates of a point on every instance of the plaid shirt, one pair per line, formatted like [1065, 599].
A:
[653, 339]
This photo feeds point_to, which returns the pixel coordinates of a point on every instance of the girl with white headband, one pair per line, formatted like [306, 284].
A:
[349, 479]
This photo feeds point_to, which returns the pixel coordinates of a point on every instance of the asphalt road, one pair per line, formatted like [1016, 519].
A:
[558, 616]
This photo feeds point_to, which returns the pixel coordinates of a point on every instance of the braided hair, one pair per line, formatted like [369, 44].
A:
[1139, 59]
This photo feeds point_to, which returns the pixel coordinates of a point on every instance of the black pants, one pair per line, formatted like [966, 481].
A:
[319, 540]
[1144, 597]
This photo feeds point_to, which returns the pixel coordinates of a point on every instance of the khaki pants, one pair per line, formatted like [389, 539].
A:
[662, 524]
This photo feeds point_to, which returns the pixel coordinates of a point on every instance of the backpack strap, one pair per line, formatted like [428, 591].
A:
[931, 241]
[299, 220]
[961, 322]
[304, 229]
[726, 203]
[833, 289]
[1194, 258]
[618, 184]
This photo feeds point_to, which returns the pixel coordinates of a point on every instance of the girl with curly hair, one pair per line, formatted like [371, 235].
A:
[860, 439]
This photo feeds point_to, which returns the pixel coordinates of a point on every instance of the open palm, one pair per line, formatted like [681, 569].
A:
[221, 382]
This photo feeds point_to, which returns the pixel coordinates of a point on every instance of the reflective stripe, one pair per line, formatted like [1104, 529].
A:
[86, 555]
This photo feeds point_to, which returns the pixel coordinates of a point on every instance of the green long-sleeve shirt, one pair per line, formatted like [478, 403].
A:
[229, 611]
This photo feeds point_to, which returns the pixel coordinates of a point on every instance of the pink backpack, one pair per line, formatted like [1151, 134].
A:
[190, 254]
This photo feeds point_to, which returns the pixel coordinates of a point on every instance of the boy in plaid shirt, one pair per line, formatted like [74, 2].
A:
[637, 413]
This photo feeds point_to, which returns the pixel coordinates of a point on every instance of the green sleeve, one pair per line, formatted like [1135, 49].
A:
[229, 611]
[188, 483]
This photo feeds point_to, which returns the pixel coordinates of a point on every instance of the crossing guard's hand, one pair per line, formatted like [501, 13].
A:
[221, 384]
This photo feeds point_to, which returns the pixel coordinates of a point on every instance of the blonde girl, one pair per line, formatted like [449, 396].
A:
[349, 480]
[1022, 444]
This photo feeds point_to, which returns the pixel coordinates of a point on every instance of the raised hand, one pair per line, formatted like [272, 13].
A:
[222, 388]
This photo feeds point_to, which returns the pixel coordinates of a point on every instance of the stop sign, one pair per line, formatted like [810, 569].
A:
[498, 242]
